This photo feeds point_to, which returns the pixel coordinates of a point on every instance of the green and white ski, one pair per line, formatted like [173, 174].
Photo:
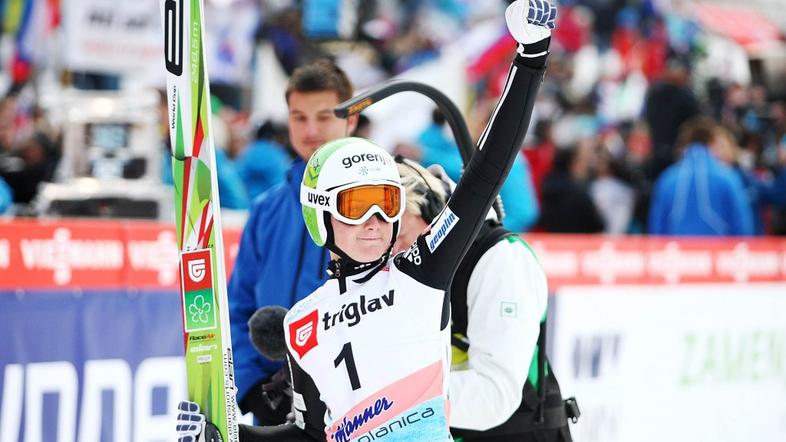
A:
[205, 315]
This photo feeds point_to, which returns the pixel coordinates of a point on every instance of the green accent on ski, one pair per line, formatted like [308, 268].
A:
[180, 149]
[203, 190]
[200, 310]
[204, 369]
[196, 60]
[178, 167]
[177, 176]
[201, 193]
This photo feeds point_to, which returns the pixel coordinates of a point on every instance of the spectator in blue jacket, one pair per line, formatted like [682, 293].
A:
[518, 191]
[6, 196]
[699, 195]
[277, 263]
[762, 191]
[263, 163]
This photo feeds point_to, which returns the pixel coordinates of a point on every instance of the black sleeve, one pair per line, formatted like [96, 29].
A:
[436, 254]
[310, 411]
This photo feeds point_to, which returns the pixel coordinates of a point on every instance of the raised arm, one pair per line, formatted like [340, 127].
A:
[437, 252]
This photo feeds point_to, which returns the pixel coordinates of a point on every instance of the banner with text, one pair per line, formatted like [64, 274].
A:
[659, 338]
[93, 365]
[113, 36]
[687, 362]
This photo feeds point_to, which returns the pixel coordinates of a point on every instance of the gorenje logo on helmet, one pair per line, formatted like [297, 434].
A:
[363, 157]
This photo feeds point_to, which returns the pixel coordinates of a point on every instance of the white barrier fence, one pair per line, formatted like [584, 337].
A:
[704, 362]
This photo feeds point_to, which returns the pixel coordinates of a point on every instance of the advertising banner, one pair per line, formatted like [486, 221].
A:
[658, 338]
[112, 35]
[93, 254]
[90, 365]
[92, 320]
[683, 363]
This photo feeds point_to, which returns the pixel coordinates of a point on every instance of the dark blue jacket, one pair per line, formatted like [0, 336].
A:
[699, 196]
[763, 193]
[277, 264]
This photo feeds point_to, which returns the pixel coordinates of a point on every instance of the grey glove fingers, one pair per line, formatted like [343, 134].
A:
[189, 422]
[188, 407]
[185, 418]
[541, 13]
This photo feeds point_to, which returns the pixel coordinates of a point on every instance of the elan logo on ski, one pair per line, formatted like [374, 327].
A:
[199, 309]
[303, 333]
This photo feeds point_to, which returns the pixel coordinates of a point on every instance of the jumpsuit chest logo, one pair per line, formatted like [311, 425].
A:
[353, 312]
[303, 333]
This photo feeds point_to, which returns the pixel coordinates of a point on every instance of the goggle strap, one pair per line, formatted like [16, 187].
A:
[316, 198]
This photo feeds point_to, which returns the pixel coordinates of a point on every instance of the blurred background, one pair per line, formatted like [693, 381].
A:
[662, 330]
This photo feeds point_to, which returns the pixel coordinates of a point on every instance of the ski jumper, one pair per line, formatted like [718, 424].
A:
[369, 351]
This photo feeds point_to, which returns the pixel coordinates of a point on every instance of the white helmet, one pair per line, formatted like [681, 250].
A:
[350, 179]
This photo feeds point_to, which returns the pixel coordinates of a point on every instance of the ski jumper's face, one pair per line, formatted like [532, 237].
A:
[312, 122]
[365, 242]
[411, 226]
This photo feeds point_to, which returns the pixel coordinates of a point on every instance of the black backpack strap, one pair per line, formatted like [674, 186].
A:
[541, 371]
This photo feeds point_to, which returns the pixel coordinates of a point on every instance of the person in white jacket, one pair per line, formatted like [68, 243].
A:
[498, 302]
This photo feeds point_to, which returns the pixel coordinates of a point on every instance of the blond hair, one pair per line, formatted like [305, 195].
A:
[425, 193]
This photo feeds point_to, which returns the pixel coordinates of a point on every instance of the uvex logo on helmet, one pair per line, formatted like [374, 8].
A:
[320, 200]
[363, 157]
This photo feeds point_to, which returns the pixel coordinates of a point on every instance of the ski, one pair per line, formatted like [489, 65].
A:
[205, 310]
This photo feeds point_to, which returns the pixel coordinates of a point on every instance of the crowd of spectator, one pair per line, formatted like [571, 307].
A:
[624, 139]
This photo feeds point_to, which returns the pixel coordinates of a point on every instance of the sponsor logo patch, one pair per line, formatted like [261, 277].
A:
[353, 312]
[199, 304]
[303, 333]
[441, 228]
[362, 158]
[355, 423]
[320, 200]
[413, 254]
[197, 270]
[509, 309]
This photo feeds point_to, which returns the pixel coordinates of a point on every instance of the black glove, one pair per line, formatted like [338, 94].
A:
[271, 400]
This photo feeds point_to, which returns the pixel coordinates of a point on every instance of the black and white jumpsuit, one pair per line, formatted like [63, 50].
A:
[369, 351]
